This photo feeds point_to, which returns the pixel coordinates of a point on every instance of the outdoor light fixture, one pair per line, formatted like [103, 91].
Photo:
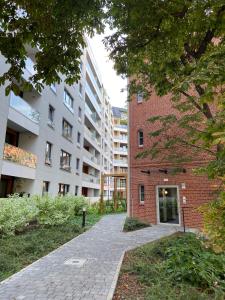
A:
[165, 171]
[146, 172]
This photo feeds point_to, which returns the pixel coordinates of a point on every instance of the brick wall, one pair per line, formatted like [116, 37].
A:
[198, 189]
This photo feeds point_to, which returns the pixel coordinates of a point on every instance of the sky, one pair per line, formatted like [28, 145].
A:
[112, 82]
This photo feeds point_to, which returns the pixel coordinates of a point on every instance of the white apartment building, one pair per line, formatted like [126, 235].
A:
[120, 146]
[55, 141]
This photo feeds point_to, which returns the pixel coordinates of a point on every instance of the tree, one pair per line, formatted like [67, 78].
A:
[55, 28]
[176, 47]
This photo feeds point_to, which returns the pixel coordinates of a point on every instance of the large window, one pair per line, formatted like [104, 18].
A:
[48, 153]
[68, 100]
[63, 189]
[76, 190]
[140, 138]
[141, 191]
[66, 129]
[77, 164]
[65, 160]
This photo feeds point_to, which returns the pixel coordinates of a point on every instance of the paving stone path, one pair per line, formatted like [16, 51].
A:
[86, 268]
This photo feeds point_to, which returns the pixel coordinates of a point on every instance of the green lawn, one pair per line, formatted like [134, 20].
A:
[18, 251]
[176, 267]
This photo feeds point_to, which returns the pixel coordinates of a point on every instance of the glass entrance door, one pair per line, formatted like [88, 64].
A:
[168, 205]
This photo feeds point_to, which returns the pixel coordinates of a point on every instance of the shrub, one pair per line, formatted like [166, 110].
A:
[187, 260]
[18, 212]
[214, 222]
[132, 224]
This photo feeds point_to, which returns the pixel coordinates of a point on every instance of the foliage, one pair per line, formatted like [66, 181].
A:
[214, 222]
[176, 48]
[132, 224]
[52, 31]
[18, 251]
[19, 212]
[109, 206]
[177, 267]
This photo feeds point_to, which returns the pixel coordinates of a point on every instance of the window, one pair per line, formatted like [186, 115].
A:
[141, 190]
[77, 164]
[68, 100]
[48, 154]
[80, 88]
[78, 138]
[79, 114]
[76, 190]
[81, 66]
[63, 189]
[140, 138]
[139, 97]
[45, 187]
[65, 160]
[53, 87]
[51, 112]
[66, 129]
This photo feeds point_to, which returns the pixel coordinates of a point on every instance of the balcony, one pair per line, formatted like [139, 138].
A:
[90, 181]
[120, 127]
[93, 99]
[93, 80]
[18, 162]
[123, 151]
[22, 114]
[92, 116]
[92, 138]
[90, 159]
[120, 162]
[120, 139]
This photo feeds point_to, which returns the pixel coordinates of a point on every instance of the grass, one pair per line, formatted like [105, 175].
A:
[18, 251]
[132, 224]
[147, 272]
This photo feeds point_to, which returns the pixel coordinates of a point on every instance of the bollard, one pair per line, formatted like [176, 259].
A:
[84, 217]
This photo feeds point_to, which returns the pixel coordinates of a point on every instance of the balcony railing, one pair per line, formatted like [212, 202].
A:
[19, 156]
[92, 114]
[121, 138]
[90, 178]
[91, 157]
[122, 150]
[93, 98]
[120, 162]
[93, 79]
[120, 126]
[24, 108]
[92, 136]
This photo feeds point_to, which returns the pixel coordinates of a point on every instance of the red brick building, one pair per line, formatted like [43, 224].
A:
[155, 195]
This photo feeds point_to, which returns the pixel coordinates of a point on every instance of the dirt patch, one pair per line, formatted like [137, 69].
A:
[128, 287]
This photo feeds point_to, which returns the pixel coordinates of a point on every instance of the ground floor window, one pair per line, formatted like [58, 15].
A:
[76, 190]
[141, 190]
[45, 187]
[63, 189]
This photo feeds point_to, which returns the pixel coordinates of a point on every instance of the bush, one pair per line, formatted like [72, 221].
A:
[187, 260]
[214, 222]
[18, 212]
[132, 224]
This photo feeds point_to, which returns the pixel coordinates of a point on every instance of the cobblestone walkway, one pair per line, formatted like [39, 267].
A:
[85, 268]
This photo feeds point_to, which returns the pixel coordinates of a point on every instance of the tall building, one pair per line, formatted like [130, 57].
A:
[156, 194]
[120, 146]
[57, 141]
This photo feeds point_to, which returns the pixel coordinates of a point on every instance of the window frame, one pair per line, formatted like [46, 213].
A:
[68, 100]
[48, 153]
[67, 132]
[45, 191]
[63, 189]
[65, 166]
[139, 97]
[141, 193]
[140, 131]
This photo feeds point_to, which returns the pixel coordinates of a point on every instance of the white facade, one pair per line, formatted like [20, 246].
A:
[56, 141]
